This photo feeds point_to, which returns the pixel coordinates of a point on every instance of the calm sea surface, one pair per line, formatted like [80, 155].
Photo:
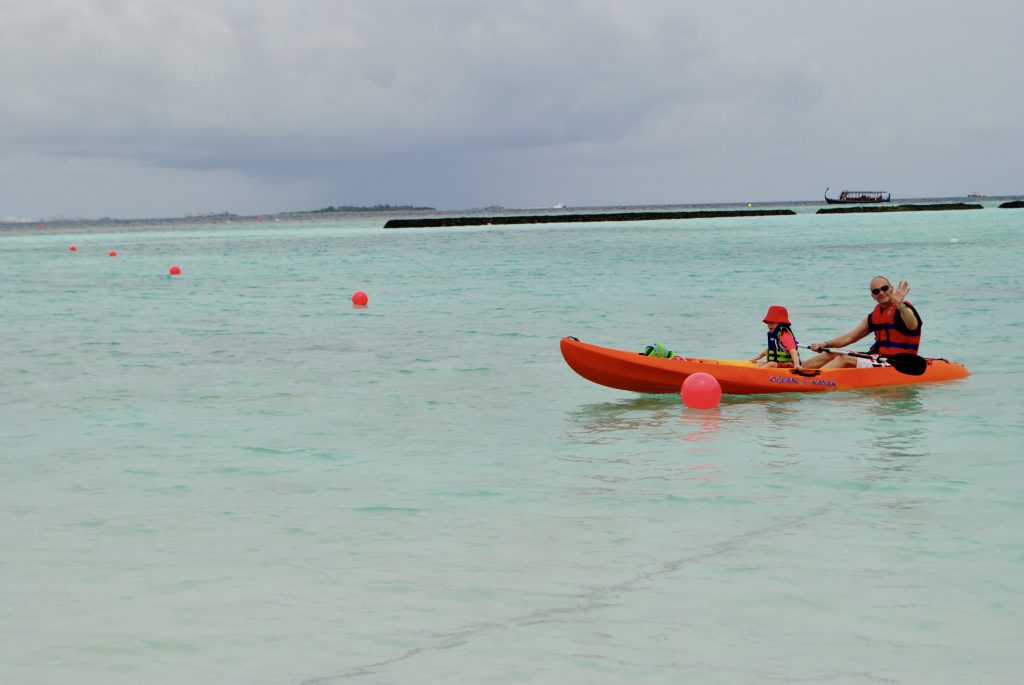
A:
[233, 476]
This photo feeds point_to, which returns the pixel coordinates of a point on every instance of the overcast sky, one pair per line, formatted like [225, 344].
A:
[154, 108]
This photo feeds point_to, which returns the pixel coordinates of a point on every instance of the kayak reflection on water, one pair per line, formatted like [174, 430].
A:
[599, 421]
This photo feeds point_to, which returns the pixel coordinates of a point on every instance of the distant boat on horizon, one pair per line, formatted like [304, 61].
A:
[857, 197]
[976, 195]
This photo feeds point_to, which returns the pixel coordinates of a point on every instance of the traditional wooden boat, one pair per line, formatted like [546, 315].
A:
[858, 197]
[636, 372]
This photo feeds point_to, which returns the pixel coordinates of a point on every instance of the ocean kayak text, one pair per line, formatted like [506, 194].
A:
[793, 380]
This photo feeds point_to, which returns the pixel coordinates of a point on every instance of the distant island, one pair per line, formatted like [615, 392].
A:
[374, 208]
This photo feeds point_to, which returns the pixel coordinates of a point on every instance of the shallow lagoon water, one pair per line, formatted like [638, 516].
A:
[233, 476]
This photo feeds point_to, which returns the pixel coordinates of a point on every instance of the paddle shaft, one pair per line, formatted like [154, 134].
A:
[848, 353]
[904, 362]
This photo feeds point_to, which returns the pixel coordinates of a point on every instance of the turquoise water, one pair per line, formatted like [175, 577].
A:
[233, 476]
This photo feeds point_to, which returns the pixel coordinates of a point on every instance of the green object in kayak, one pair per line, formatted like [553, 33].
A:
[657, 350]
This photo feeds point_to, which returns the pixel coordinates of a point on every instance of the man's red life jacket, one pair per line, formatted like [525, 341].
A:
[890, 340]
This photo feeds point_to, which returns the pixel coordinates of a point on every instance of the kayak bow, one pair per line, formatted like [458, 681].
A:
[625, 370]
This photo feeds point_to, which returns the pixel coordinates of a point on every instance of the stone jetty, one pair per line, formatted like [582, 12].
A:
[898, 208]
[578, 218]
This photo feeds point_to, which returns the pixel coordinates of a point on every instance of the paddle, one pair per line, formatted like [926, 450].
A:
[904, 362]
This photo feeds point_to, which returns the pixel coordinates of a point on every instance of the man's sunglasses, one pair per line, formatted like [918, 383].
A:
[883, 289]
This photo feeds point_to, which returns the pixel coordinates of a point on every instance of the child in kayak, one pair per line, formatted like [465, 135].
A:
[782, 347]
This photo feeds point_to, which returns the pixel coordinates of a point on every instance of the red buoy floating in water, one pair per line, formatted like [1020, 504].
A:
[700, 391]
[112, 253]
[72, 249]
[360, 299]
[175, 270]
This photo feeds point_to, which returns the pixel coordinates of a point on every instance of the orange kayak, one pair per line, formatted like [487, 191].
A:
[633, 371]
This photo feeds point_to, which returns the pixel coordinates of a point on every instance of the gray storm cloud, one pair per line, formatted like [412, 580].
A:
[457, 103]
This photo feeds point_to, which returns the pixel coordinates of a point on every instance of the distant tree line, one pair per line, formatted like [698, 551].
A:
[373, 208]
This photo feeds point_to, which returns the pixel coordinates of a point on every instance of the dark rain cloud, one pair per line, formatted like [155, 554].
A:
[460, 103]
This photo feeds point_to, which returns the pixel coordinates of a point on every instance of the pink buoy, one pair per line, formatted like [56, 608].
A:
[700, 391]
[112, 253]
[360, 299]
[175, 270]
[73, 249]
